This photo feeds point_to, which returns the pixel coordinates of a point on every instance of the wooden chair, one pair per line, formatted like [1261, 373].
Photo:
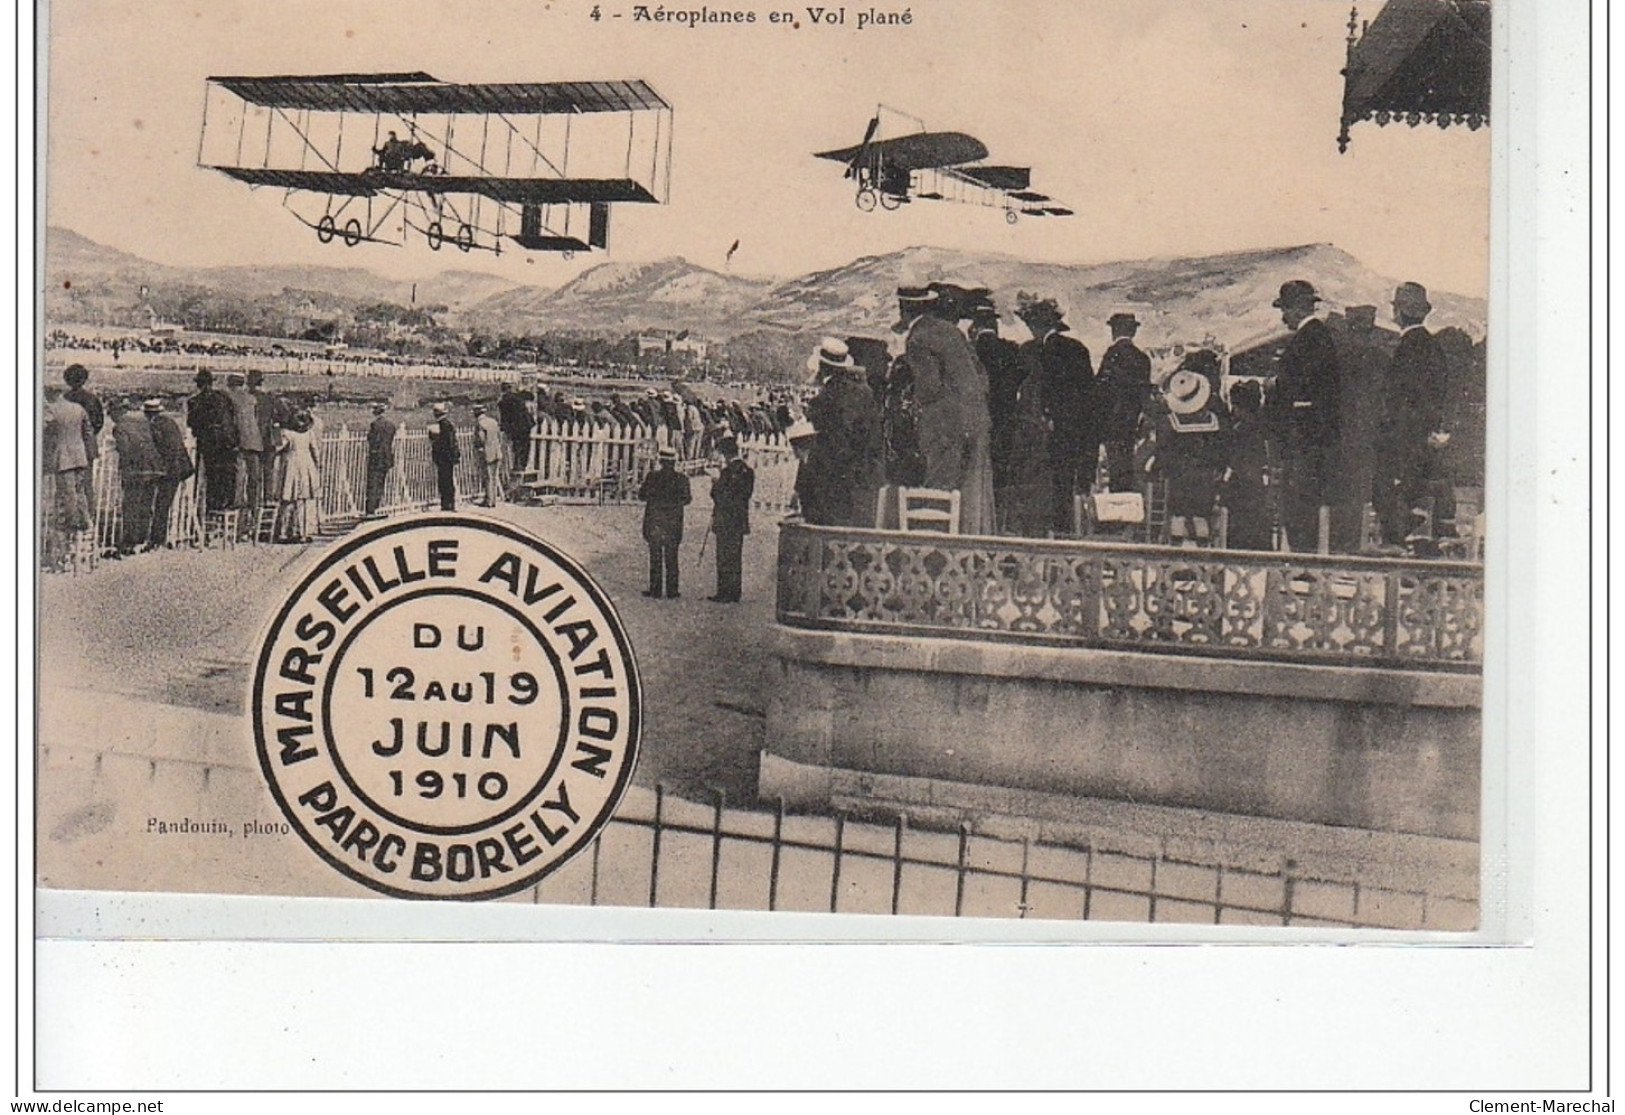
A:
[928, 509]
[220, 529]
[265, 522]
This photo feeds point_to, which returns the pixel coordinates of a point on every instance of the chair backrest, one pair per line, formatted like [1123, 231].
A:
[1116, 513]
[928, 509]
[1156, 511]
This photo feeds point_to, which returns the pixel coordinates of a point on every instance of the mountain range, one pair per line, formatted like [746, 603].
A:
[1226, 297]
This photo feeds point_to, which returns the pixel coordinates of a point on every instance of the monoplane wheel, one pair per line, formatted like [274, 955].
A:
[435, 235]
[867, 199]
[325, 229]
[465, 238]
[890, 202]
[1010, 216]
[352, 232]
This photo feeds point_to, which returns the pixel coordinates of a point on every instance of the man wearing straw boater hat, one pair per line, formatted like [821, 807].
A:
[1303, 414]
[950, 396]
[731, 492]
[849, 455]
[1123, 387]
[664, 492]
[176, 465]
[444, 453]
[1067, 376]
[488, 446]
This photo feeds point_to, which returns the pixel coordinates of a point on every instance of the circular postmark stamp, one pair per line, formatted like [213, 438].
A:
[447, 707]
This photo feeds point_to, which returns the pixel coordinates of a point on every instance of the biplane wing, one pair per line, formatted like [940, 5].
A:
[535, 191]
[922, 151]
[406, 94]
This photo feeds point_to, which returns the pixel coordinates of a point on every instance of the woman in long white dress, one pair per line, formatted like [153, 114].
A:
[301, 481]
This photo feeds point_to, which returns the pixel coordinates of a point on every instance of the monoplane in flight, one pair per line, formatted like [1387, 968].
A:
[936, 166]
[374, 157]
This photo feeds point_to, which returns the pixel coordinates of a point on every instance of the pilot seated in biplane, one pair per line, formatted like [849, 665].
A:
[397, 155]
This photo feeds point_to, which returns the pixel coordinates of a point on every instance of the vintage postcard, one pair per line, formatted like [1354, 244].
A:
[967, 459]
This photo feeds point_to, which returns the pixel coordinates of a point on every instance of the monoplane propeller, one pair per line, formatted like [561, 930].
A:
[862, 157]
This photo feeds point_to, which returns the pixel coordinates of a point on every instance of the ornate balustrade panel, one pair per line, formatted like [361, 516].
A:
[1287, 607]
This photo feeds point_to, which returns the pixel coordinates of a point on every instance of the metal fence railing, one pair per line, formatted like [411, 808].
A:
[1340, 610]
[663, 851]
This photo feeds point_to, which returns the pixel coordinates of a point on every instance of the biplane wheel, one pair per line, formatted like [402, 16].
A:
[325, 229]
[465, 238]
[1011, 216]
[867, 199]
[435, 235]
[890, 202]
[567, 256]
[352, 232]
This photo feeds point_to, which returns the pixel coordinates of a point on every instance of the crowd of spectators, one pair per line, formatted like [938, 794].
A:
[1351, 427]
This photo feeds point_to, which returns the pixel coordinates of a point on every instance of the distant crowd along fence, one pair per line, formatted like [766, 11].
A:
[583, 460]
[1410, 614]
[316, 364]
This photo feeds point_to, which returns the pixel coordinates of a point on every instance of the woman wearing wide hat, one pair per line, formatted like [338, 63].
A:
[849, 456]
[1190, 453]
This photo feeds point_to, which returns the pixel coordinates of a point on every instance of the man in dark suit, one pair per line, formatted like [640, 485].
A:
[1123, 387]
[517, 423]
[1412, 429]
[213, 421]
[1068, 378]
[1005, 369]
[444, 453]
[1302, 413]
[176, 465]
[139, 470]
[730, 520]
[380, 456]
[664, 492]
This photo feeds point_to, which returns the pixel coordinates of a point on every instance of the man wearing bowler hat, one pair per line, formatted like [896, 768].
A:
[1123, 387]
[950, 396]
[1068, 377]
[1302, 413]
[664, 492]
[1413, 426]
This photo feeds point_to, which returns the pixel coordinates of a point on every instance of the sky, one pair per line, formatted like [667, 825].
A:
[1171, 127]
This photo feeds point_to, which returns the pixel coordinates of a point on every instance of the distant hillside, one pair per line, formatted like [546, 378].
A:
[89, 282]
[618, 297]
[1226, 296]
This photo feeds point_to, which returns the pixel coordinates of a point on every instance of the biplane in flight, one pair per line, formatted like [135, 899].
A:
[378, 157]
[937, 166]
